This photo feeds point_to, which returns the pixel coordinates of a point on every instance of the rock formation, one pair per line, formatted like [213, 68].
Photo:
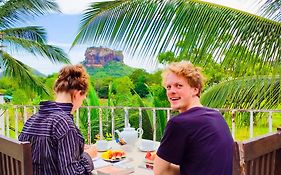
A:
[99, 56]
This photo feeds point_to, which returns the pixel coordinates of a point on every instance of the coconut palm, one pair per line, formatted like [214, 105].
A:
[262, 92]
[145, 28]
[31, 39]
[191, 29]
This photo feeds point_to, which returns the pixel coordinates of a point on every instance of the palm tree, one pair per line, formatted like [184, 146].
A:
[31, 39]
[145, 28]
[191, 29]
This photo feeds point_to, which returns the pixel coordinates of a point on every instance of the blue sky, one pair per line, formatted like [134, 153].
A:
[62, 29]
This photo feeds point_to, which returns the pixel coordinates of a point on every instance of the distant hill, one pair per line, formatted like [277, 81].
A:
[111, 69]
[34, 71]
[37, 73]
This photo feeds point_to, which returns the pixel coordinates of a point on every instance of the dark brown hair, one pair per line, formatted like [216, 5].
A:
[72, 77]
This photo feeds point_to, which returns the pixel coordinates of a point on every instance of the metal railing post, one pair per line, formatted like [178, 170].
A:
[100, 118]
[140, 118]
[77, 118]
[16, 122]
[7, 123]
[168, 114]
[251, 124]
[126, 117]
[34, 109]
[89, 125]
[233, 124]
[24, 114]
[154, 125]
[270, 121]
[113, 124]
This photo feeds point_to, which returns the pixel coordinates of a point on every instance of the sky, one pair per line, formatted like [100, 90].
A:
[62, 29]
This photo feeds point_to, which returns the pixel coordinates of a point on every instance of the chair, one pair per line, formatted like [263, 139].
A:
[15, 157]
[258, 156]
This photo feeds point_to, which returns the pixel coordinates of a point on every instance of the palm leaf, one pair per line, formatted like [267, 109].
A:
[53, 53]
[263, 92]
[34, 33]
[146, 118]
[272, 9]
[145, 28]
[19, 71]
[14, 11]
[31, 39]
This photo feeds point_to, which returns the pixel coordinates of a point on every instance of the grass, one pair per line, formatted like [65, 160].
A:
[243, 133]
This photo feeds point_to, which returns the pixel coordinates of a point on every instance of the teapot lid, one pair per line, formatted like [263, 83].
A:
[128, 129]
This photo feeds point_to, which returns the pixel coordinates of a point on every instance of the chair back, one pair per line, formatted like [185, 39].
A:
[258, 156]
[15, 157]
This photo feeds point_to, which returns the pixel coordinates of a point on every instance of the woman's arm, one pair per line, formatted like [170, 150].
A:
[71, 160]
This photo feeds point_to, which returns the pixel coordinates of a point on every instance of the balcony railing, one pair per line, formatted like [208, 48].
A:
[13, 118]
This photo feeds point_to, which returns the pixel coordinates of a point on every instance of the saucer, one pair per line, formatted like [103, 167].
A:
[102, 150]
[141, 148]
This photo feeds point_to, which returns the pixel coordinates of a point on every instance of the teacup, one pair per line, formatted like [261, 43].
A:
[102, 145]
[147, 145]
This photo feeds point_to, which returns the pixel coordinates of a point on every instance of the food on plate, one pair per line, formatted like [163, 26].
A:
[150, 156]
[113, 155]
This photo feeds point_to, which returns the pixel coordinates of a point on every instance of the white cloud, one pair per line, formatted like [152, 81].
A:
[74, 6]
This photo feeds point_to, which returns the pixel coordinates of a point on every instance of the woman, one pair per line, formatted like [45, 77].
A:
[57, 144]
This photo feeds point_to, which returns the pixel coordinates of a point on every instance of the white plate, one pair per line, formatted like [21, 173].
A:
[102, 150]
[145, 149]
[115, 160]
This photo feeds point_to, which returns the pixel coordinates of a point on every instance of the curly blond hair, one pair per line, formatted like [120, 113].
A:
[187, 70]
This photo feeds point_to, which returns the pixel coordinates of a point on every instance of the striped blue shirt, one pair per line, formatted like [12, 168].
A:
[57, 144]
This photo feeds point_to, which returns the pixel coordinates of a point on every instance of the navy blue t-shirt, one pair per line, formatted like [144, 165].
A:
[199, 141]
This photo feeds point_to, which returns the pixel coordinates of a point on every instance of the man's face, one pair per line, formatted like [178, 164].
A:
[179, 92]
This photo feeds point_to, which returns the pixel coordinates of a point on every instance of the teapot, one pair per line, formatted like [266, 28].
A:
[130, 135]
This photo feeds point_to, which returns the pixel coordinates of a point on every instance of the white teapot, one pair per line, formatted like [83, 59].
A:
[130, 135]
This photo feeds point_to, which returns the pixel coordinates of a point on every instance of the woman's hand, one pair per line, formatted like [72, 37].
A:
[91, 150]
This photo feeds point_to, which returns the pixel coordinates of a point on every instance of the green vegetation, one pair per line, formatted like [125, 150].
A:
[122, 91]
[111, 69]
[239, 52]
[30, 39]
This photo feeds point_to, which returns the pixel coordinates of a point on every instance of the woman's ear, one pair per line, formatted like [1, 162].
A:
[75, 93]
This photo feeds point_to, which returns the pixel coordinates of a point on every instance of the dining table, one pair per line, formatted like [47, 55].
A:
[134, 160]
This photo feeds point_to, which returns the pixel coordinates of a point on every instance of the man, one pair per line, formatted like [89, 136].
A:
[197, 141]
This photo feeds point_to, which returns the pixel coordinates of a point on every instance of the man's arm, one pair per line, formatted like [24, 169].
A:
[162, 167]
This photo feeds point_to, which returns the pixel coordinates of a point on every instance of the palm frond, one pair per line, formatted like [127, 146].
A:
[53, 53]
[145, 28]
[262, 92]
[93, 11]
[14, 11]
[13, 68]
[35, 33]
[272, 9]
